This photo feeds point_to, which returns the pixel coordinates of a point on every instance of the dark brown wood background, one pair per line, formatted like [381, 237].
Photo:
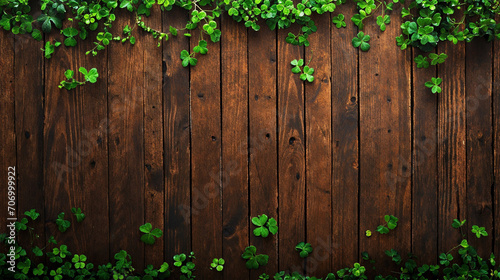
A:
[197, 152]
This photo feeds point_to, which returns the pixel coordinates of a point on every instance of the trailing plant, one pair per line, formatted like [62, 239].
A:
[71, 83]
[426, 23]
[460, 262]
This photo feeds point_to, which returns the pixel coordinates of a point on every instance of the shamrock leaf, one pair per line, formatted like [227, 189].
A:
[421, 61]
[437, 58]
[187, 59]
[201, 48]
[479, 231]
[383, 21]
[339, 21]
[253, 260]
[78, 212]
[433, 84]
[149, 233]
[304, 249]
[361, 40]
[63, 224]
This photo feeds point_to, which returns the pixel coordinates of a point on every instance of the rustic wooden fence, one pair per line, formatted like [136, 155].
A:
[197, 152]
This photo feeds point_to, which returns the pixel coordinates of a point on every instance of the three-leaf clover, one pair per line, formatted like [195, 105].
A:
[254, 260]
[264, 225]
[361, 41]
[391, 223]
[339, 21]
[382, 21]
[457, 223]
[479, 231]
[433, 84]
[61, 223]
[304, 249]
[437, 58]
[218, 264]
[297, 64]
[179, 259]
[39, 270]
[308, 74]
[32, 214]
[78, 212]
[149, 233]
[188, 59]
[421, 61]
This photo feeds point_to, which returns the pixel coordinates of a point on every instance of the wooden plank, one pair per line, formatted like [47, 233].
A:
[153, 137]
[76, 151]
[234, 71]
[425, 176]
[177, 141]
[291, 155]
[318, 117]
[29, 129]
[206, 162]
[126, 143]
[479, 141]
[451, 145]
[7, 130]
[496, 143]
[91, 194]
[345, 152]
[385, 142]
[263, 139]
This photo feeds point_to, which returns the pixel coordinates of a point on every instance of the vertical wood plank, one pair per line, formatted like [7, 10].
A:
[318, 117]
[263, 139]
[451, 145]
[425, 176]
[62, 159]
[206, 157]
[345, 165]
[7, 128]
[479, 141]
[75, 149]
[234, 71]
[92, 144]
[385, 142]
[177, 145]
[126, 142]
[153, 137]
[496, 143]
[29, 110]
[291, 155]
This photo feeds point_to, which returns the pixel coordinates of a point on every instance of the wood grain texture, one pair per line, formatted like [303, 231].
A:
[496, 144]
[62, 159]
[235, 208]
[424, 176]
[177, 142]
[153, 137]
[262, 71]
[385, 143]
[7, 128]
[318, 118]
[451, 145]
[29, 129]
[291, 155]
[479, 141]
[345, 152]
[206, 200]
[126, 143]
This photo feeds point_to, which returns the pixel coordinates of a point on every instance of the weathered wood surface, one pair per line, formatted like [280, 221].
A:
[199, 151]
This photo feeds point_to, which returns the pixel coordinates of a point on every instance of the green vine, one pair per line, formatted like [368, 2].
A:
[460, 262]
[426, 22]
